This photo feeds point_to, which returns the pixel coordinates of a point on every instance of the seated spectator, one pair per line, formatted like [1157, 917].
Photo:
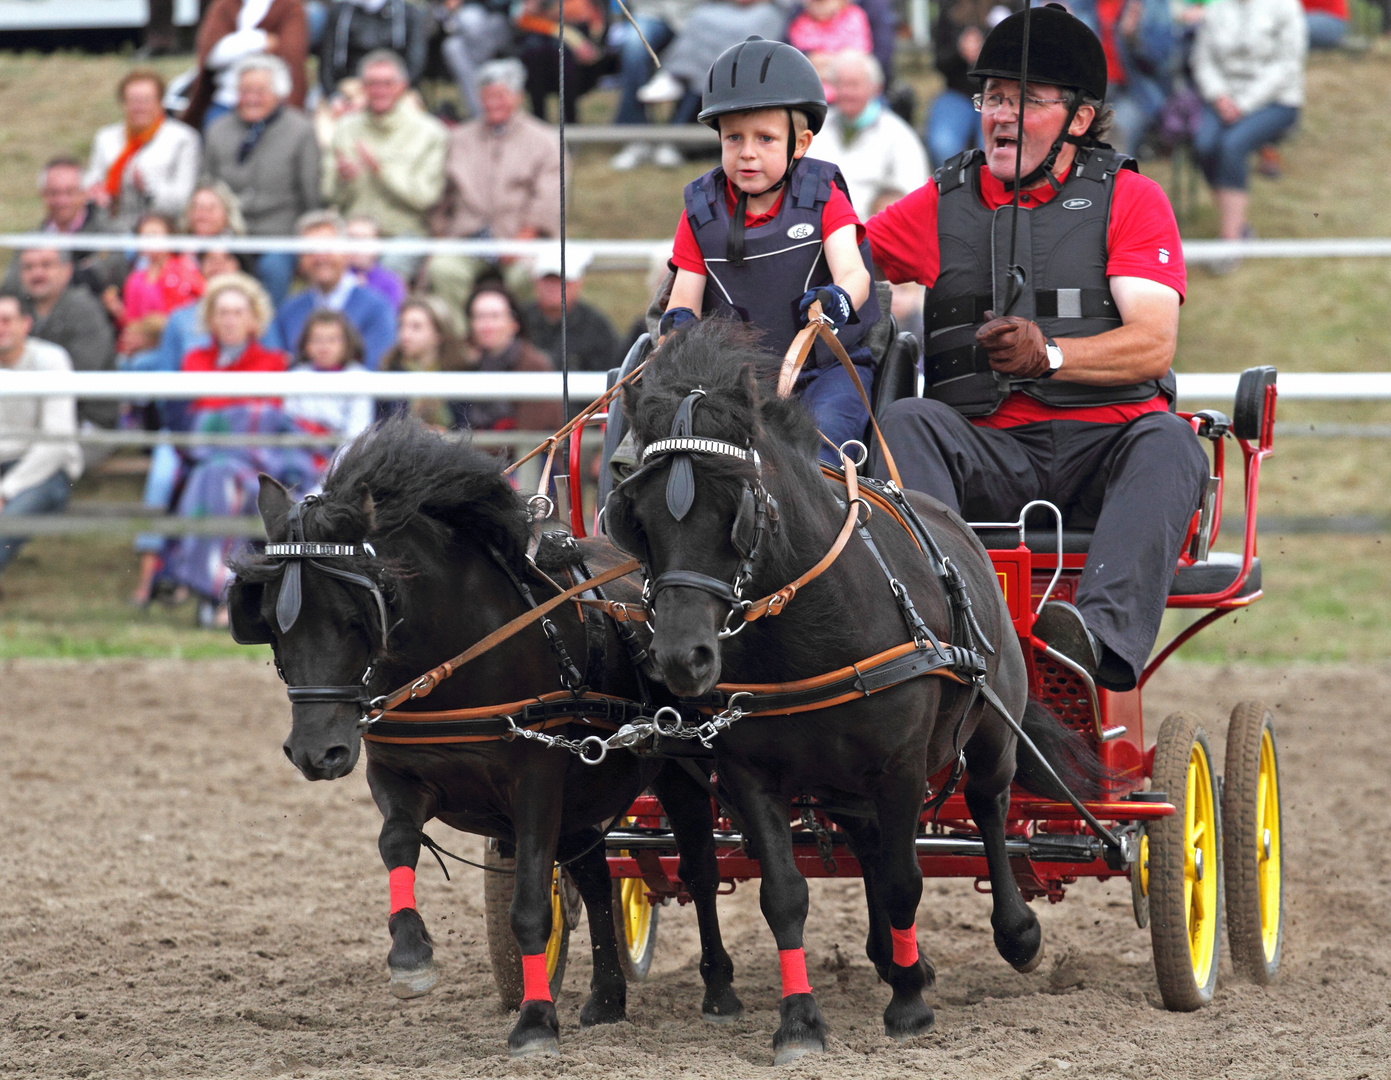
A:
[878, 153]
[585, 30]
[657, 21]
[182, 331]
[387, 161]
[1327, 21]
[366, 266]
[329, 343]
[232, 30]
[266, 153]
[69, 316]
[503, 182]
[159, 282]
[235, 311]
[358, 28]
[823, 29]
[590, 339]
[426, 340]
[473, 32]
[1138, 38]
[213, 210]
[953, 125]
[148, 163]
[1248, 64]
[496, 342]
[707, 32]
[68, 210]
[36, 477]
[331, 286]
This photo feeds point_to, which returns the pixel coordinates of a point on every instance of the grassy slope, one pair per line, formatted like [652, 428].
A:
[1328, 595]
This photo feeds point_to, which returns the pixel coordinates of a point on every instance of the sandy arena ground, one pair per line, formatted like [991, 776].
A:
[176, 901]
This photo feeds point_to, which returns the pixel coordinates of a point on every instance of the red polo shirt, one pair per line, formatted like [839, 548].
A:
[1142, 240]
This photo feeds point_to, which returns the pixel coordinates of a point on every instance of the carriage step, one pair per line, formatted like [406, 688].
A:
[1043, 847]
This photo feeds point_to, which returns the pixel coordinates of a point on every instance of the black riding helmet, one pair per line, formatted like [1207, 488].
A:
[1063, 52]
[758, 74]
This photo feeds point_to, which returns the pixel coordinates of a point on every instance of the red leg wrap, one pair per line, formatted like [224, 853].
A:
[402, 881]
[905, 945]
[794, 972]
[536, 986]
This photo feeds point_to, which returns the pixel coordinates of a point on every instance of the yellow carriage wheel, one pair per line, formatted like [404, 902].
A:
[1252, 843]
[635, 925]
[1185, 867]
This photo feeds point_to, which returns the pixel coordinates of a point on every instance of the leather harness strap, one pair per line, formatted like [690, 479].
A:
[488, 723]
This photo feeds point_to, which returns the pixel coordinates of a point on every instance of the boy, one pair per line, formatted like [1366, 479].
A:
[772, 230]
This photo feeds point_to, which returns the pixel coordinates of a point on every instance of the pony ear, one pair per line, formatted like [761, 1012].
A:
[274, 503]
[369, 509]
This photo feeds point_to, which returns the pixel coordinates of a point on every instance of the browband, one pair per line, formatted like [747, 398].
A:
[308, 549]
[690, 444]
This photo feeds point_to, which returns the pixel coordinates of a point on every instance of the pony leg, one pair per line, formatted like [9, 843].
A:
[405, 810]
[898, 884]
[990, 765]
[782, 895]
[608, 997]
[688, 810]
[536, 822]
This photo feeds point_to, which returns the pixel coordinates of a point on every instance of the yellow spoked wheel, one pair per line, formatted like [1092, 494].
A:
[505, 956]
[1185, 867]
[635, 924]
[1252, 843]
[1140, 883]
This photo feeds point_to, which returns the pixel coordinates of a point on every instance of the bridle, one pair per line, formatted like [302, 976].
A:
[756, 518]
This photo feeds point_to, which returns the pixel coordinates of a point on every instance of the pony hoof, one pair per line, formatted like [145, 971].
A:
[414, 982]
[1032, 963]
[721, 1018]
[541, 1047]
[791, 1052]
[906, 1029]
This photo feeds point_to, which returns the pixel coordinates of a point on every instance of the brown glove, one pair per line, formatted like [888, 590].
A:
[1015, 346]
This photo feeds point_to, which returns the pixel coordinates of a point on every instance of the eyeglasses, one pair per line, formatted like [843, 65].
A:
[994, 102]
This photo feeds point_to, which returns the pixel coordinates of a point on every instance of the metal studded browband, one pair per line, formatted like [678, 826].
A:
[688, 444]
[307, 549]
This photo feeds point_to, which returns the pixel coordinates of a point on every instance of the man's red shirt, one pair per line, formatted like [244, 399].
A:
[1142, 240]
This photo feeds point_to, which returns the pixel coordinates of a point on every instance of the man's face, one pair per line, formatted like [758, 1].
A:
[63, 197]
[323, 269]
[548, 295]
[43, 274]
[212, 263]
[383, 86]
[14, 326]
[141, 103]
[255, 97]
[1042, 124]
[499, 103]
[853, 89]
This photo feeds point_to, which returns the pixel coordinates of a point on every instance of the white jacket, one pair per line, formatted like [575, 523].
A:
[35, 462]
[886, 155]
[1252, 51]
[168, 165]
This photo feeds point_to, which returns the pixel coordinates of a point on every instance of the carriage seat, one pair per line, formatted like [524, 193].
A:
[1196, 579]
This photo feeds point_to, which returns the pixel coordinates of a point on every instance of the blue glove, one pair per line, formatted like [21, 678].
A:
[835, 304]
[674, 319]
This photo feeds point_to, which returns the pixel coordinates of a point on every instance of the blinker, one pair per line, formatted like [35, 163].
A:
[681, 477]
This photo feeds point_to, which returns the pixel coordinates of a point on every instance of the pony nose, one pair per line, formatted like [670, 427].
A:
[334, 759]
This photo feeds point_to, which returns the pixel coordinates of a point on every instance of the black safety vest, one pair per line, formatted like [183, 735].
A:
[783, 258]
[1062, 247]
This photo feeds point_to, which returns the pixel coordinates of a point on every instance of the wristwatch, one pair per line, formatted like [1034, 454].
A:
[1055, 357]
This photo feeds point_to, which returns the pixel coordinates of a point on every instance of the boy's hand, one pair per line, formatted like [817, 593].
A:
[674, 319]
[835, 304]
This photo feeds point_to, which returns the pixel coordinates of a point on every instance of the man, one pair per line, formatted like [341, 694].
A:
[71, 317]
[590, 338]
[503, 182]
[68, 210]
[879, 155]
[266, 152]
[1013, 414]
[332, 287]
[36, 477]
[387, 161]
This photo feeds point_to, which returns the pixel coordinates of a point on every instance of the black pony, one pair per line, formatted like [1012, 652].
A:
[433, 559]
[869, 758]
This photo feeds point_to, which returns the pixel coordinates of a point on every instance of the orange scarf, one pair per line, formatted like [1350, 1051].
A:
[135, 141]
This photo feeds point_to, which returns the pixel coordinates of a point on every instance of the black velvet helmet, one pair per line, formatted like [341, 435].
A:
[759, 74]
[1062, 51]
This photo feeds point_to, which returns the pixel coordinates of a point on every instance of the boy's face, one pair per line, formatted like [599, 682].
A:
[753, 148]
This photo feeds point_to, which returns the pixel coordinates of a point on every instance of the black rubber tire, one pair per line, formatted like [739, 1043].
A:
[1179, 985]
[1242, 846]
[635, 958]
[503, 953]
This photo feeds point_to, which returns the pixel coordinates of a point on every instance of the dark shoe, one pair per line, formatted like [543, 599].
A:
[1061, 626]
[1270, 166]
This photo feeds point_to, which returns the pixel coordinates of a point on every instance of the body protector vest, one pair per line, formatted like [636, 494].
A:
[1062, 247]
[783, 258]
